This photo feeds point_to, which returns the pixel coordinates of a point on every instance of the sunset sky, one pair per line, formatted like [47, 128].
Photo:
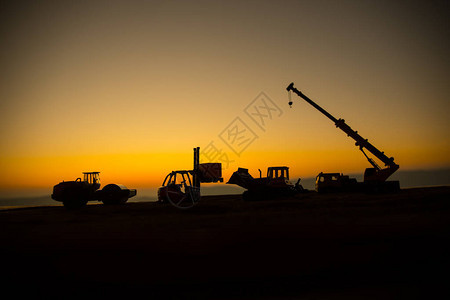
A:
[128, 88]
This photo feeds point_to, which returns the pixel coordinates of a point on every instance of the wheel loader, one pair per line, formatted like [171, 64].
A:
[276, 184]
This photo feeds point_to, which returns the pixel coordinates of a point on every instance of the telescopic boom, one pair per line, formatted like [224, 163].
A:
[372, 174]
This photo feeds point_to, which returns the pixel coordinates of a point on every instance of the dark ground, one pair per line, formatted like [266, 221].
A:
[342, 246]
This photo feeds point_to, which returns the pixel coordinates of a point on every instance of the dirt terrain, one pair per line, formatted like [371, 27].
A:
[311, 246]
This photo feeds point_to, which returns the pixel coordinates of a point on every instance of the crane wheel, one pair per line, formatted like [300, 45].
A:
[250, 196]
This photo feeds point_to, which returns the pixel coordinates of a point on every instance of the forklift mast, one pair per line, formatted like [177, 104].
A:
[195, 173]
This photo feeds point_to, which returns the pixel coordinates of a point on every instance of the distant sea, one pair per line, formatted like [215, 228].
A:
[41, 197]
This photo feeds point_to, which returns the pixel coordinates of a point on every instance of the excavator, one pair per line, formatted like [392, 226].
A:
[375, 178]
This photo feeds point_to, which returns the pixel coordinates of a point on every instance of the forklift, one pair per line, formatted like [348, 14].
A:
[182, 188]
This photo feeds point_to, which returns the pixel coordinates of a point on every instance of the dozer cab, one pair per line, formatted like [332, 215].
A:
[76, 194]
[276, 184]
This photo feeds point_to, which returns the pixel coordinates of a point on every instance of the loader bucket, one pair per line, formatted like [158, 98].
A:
[241, 178]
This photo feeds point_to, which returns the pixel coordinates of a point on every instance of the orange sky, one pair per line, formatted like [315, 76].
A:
[128, 88]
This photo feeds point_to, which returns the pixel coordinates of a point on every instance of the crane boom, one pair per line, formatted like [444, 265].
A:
[372, 174]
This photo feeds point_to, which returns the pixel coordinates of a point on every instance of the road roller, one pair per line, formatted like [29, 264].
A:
[76, 193]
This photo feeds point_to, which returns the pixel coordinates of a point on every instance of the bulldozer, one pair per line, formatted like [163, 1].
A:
[77, 193]
[276, 184]
[375, 178]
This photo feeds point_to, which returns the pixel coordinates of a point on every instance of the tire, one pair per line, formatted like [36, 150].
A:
[250, 196]
[74, 202]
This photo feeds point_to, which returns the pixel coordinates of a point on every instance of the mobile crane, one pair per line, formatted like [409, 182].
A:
[374, 178]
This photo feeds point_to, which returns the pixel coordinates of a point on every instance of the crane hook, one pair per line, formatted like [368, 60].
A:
[290, 98]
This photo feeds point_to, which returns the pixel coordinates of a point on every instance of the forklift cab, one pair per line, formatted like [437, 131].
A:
[178, 189]
[178, 178]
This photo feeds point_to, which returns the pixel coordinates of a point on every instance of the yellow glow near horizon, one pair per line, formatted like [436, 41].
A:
[149, 170]
[129, 88]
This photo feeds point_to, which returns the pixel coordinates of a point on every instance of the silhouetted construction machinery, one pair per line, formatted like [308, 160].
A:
[182, 188]
[275, 185]
[75, 194]
[336, 182]
[374, 178]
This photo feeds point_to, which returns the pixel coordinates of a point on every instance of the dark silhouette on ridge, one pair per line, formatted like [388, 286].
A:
[182, 188]
[374, 178]
[275, 185]
[76, 194]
